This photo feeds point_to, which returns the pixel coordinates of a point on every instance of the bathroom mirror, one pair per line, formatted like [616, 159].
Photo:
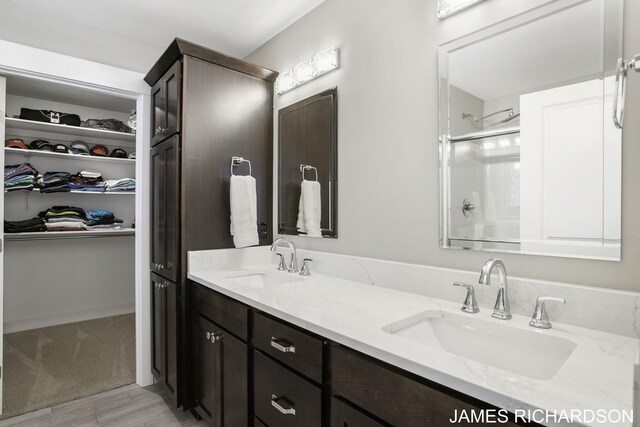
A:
[307, 150]
[530, 158]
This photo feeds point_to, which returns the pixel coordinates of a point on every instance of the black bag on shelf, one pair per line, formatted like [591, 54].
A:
[49, 116]
[106, 124]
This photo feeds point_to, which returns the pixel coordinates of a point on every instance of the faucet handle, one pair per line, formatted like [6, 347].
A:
[282, 265]
[305, 271]
[540, 318]
[470, 304]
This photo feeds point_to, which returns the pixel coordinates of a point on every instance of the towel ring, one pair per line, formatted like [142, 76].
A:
[237, 161]
[304, 168]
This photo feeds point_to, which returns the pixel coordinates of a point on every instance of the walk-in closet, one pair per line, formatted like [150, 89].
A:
[69, 270]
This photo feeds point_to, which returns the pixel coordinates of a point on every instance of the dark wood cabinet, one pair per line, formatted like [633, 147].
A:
[283, 398]
[297, 349]
[165, 104]
[164, 327]
[344, 415]
[165, 216]
[206, 108]
[395, 397]
[220, 362]
[242, 376]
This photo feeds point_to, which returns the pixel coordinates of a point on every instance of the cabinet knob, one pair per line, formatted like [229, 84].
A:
[215, 337]
[208, 335]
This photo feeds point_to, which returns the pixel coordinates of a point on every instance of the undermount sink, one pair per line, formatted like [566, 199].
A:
[529, 353]
[261, 280]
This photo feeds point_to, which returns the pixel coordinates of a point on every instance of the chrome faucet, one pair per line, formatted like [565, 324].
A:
[501, 310]
[293, 264]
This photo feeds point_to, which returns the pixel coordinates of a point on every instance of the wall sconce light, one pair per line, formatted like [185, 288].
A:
[322, 63]
[447, 8]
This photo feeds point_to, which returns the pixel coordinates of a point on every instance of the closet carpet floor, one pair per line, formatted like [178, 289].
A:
[48, 366]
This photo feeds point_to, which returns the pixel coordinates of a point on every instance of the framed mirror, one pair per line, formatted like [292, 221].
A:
[308, 167]
[530, 157]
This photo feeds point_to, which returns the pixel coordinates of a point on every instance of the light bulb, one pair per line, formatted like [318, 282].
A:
[449, 7]
[325, 61]
[489, 145]
[303, 72]
[285, 82]
[504, 142]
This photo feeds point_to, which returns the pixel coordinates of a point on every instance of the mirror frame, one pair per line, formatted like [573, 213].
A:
[332, 173]
[613, 36]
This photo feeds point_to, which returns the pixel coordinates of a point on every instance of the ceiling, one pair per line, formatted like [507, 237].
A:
[132, 34]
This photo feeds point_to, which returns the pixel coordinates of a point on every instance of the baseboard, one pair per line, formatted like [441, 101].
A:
[26, 323]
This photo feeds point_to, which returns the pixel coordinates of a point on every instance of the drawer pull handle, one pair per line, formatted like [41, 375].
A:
[289, 348]
[286, 411]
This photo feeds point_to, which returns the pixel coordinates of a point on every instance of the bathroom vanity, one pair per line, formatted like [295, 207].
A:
[335, 350]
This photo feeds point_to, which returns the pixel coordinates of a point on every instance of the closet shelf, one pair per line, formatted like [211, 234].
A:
[100, 193]
[75, 157]
[21, 124]
[56, 235]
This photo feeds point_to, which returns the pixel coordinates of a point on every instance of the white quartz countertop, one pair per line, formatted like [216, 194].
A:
[598, 375]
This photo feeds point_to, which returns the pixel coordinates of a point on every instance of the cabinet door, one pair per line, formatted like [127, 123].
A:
[171, 204]
[157, 208]
[158, 115]
[166, 100]
[235, 380]
[171, 304]
[172, 90]
[206, 371]
[165, 216]
[157, 329]
[220, 379]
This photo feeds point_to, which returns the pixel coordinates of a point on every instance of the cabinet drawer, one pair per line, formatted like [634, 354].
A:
[292, 347]
[344, 415]
[278, 390]
[389, 395]
[230, 314]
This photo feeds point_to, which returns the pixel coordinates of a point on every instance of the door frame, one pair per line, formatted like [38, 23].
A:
[25, 61]
[3, 106]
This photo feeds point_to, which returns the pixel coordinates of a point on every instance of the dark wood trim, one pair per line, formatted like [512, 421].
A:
[180, 47]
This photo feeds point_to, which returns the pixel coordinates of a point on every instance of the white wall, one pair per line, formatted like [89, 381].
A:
[388, 132]
[50, 282]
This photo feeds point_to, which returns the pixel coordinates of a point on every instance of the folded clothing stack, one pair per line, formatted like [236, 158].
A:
[124, 184]
[54, 182]
[64, 218]
[19, 177]
[86, 181]
[24, 226]
[99, 219]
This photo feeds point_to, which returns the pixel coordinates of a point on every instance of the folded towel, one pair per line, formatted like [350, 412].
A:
[309, 209]
[244, 211]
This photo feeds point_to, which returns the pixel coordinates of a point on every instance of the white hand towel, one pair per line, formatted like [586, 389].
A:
[309, 209]
[300, 225]
[244, 211]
